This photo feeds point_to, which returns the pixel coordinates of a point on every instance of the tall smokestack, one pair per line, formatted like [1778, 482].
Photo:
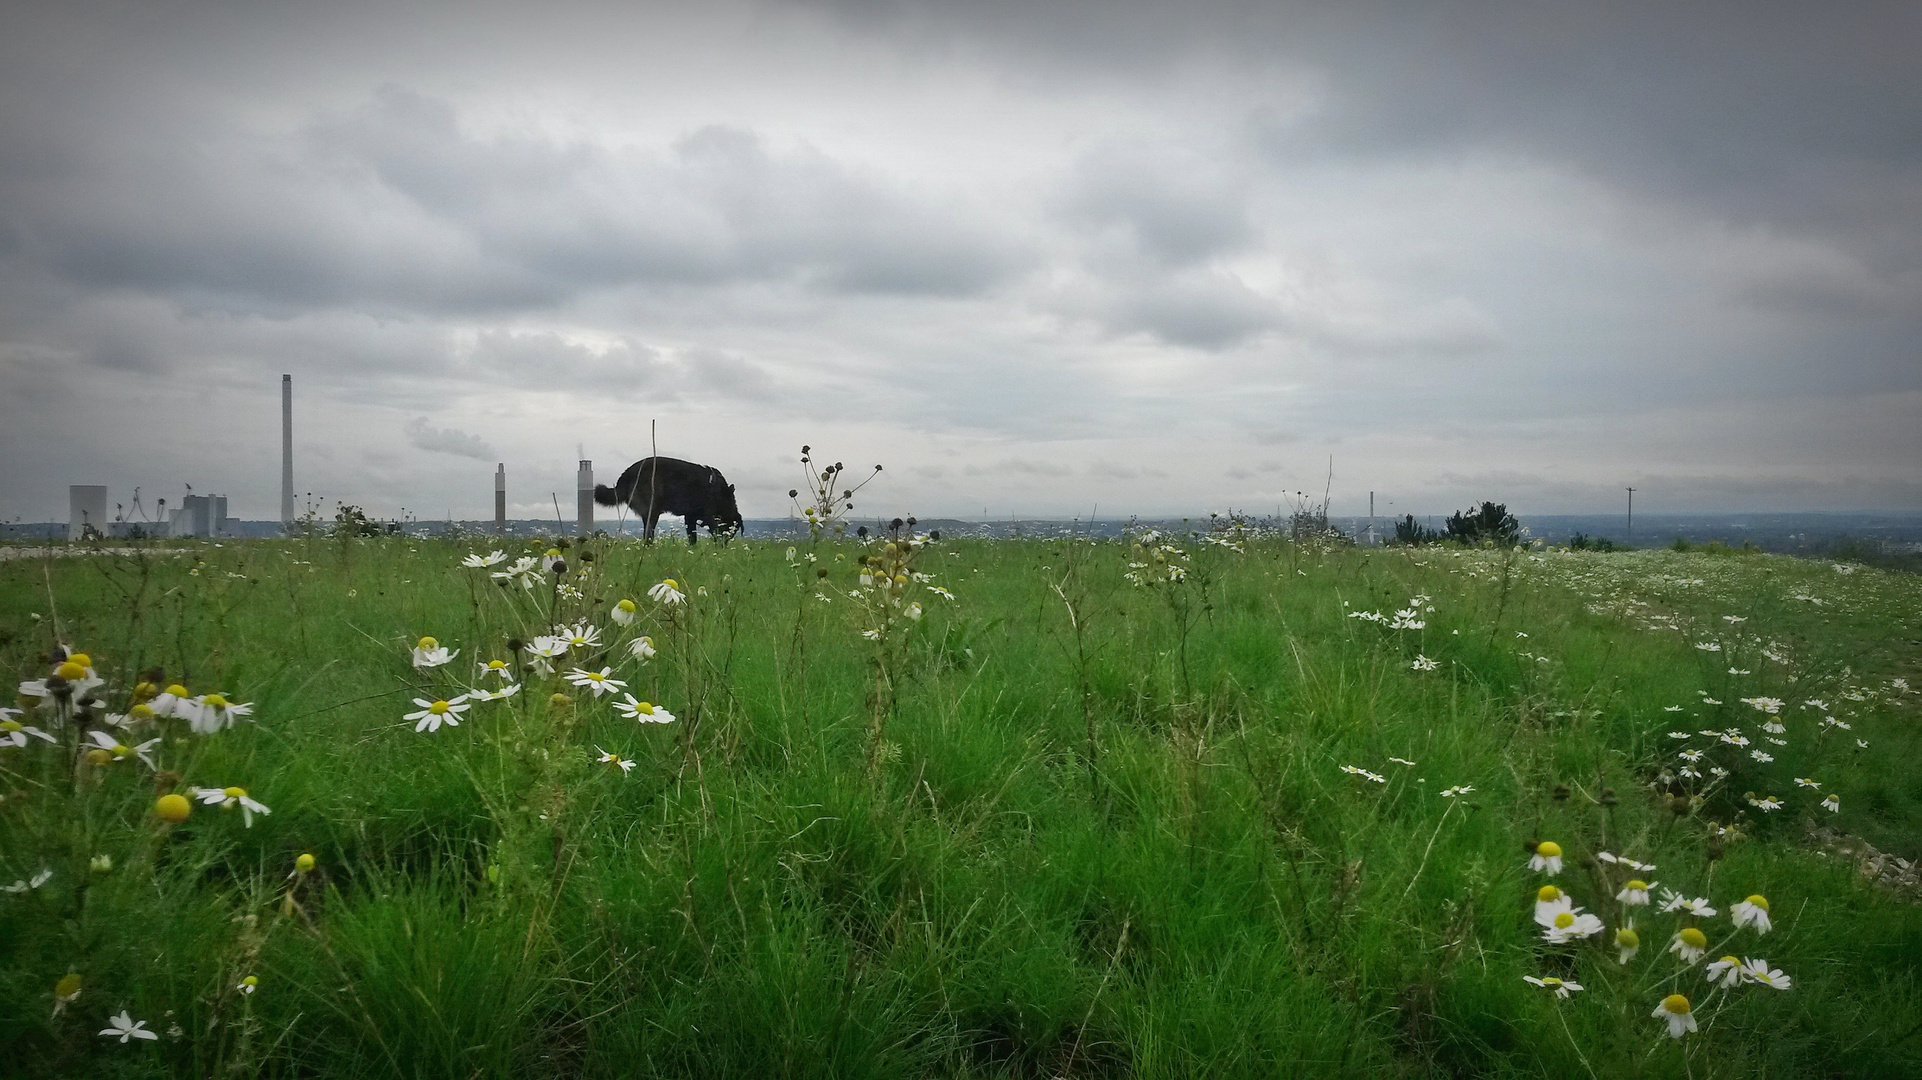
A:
[584, 497]
[286, 450]
[500, 499]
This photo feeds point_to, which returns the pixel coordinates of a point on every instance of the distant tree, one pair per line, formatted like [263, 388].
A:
[1411, 532]
[1491, 523]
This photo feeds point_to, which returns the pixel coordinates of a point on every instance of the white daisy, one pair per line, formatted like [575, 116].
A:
[212, 712]
[481, 562]
[582, 636]
[643, 712]
[1561, 987]
[615, 760]
[1634, 893]
[1832, 803]
[1689, 943]
[14, 733]
[125, 1027]
[433, 714]
[642, 647]
[623, 612]
[1760, 971]
[1547, 858]
[24, 885]
[231, 797]
[1674, 901]
[1753, 911]
[429, 653]
[596, 682]
[1571, 926]
[1726, 972]
[121, 751]
[667, 592]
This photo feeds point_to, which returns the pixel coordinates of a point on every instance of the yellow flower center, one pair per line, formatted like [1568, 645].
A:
[1564, 920]
[644, 707]
[1548, 894]
[67, 987]
[1759, 901]
[304, 863]
[553, 553]
[80, 658]
[215, 700]
[121, 750]
[1637, 885]
[235, 792]
[70, 671]
[177, 690]
[1627, 938]
[250, 981]
[98, 757]
[560, 701]
[1548, 849]
[1693, 938]
[625, 605]
[496, 665]
[142, 711]
[144, 690]
[172, 808]
[577, 641]
[1551, 981]
[1676, 1004]
[10, 726]
[427, 643]
[596, 676]
[438, 708]
[1731, 961]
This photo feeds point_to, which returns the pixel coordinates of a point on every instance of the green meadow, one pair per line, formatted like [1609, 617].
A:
[1225, 806]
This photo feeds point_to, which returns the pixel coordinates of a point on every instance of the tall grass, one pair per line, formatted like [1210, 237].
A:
[1100, 833]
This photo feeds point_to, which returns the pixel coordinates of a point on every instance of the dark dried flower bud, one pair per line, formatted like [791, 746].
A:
[587, 556]
[1680, 805]
[560, 567]
[515, 644]
[862, 532]
[1560, 794]
[794, 493]
[164, 781]
[805, 449]
[1530, 846]
[1715, 848]
[935, 535]
[895, 524]
[1608, 797]
[820, 571]
[910, 521]
[59, 687]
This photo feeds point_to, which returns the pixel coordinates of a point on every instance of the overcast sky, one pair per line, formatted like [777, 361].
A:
[1035, 258]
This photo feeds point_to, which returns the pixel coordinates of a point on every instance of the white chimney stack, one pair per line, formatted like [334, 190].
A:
[584, 493]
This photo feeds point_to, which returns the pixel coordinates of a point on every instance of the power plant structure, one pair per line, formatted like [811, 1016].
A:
[286, 451]
[584, 498]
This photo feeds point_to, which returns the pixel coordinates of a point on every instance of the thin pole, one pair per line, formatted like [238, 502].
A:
[286, 450]
[1631, 517]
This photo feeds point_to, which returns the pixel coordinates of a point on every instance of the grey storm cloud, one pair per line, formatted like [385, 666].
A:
[1032, 256]
[447, 440]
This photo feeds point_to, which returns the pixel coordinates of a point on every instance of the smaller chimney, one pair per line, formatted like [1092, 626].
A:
[500, 499]
[584, 494]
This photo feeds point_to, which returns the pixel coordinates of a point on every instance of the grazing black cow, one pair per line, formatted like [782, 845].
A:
[664, 485]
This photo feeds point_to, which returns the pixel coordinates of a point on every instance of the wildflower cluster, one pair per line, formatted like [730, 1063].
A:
[1566, 927]
[1156, 561]
[828, 495]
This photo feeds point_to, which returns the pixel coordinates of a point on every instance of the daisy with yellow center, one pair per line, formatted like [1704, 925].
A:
[623, 612]
[1759, 971]
[1634, 893]
[1561, 987]
[1675, 1009]
[1628, 942]
[1569, 926]
[432, 714]
[213, 712]
[1547, 858]
[643, 712]
[1726, 972]
[667, 592]
[119, 751]
[596, 682]
[498, 669]
[229, 798]
[1752, 912]
[1550, 901]
[1690, 944]
[429, 653]
[642, 647]
[616, 760]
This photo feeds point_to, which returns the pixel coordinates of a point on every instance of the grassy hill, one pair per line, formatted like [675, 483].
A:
[1164, 808]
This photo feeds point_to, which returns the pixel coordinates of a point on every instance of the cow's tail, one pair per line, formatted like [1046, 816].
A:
[606, 496]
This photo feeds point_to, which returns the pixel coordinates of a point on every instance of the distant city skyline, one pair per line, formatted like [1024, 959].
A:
[1154, 258]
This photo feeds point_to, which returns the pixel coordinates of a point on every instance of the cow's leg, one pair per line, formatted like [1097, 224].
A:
[647, 529]
[691, 522]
